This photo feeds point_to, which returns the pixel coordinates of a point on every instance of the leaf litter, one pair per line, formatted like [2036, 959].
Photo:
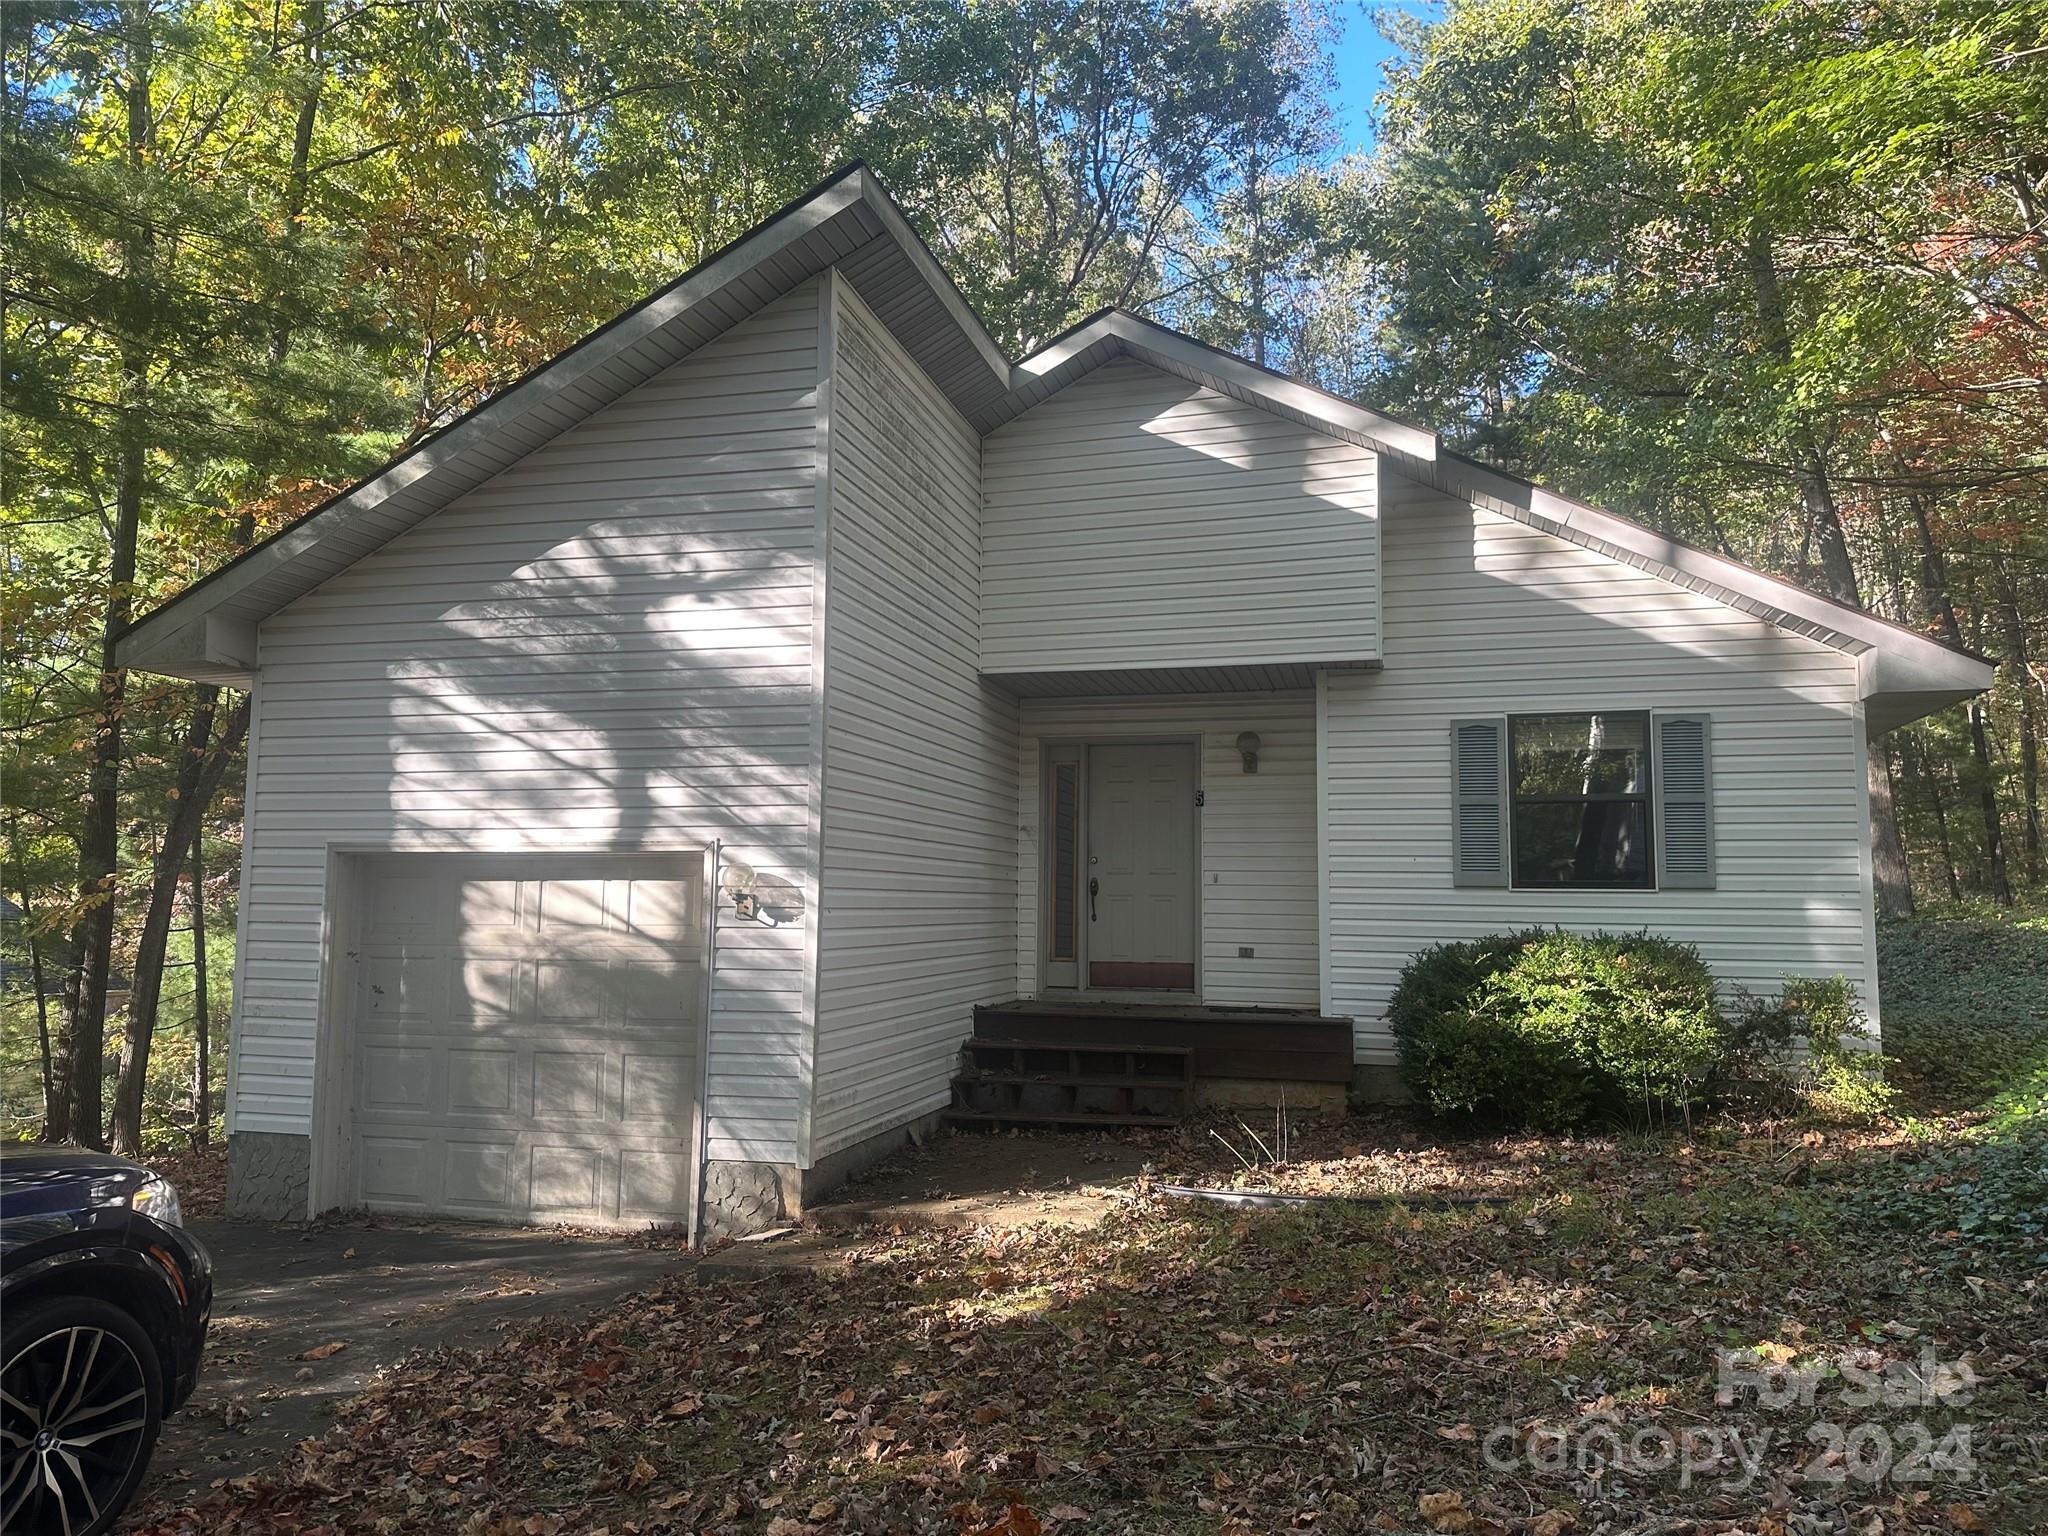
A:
[1183, 1368]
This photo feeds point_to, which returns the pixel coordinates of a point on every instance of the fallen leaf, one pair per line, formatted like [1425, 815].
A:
[1445, 1512]
[322, 1351]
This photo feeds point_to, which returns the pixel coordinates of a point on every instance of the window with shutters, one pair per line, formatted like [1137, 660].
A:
[1581, 800]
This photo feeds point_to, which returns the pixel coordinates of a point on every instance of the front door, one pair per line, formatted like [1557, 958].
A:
[1141, 866]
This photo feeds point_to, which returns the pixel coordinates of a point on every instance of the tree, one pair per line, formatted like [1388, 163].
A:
[147, 286]
[1056, 152]
[1726, 270]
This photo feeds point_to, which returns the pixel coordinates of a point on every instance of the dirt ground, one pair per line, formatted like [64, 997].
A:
[978, 1179]
[383, 1289]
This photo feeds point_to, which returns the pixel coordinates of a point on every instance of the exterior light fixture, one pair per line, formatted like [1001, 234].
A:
[1248, 749]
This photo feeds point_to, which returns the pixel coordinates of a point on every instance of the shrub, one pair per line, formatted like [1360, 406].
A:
[1811, 1044]
[1547, 1027]
[1455, 1056]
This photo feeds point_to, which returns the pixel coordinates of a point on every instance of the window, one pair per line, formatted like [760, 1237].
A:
[1580, 800]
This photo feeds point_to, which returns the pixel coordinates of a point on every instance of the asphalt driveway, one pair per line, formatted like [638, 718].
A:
[284, 1297]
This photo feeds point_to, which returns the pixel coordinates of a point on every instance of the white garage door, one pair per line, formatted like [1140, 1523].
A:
[526, 1036]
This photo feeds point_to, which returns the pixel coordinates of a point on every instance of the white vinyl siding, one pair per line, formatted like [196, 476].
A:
[1137, 520]
[1257, 886]
[1486, 616]
[607, 647]
[918, 916]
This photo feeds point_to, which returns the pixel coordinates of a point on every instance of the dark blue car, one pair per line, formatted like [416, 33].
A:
[104, 1299]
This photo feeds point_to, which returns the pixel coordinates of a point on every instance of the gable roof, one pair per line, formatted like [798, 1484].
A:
[1904, 674]
[850, 222]
[208, 631]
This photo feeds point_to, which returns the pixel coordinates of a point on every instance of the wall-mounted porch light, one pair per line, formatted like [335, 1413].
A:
[758, 898]
[1248, 749]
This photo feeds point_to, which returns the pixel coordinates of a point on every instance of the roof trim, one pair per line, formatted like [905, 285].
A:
[1150, 342]
[203, 633]
[1893, 660]
[943, 287]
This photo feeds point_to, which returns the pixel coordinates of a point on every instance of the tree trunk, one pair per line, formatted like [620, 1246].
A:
[1890, 874]
[1995, 879]
[199, 775]
[1816, 491]
[85, 989]
[1925, 772]
[2018, 658]
[298, 179]
[1255, 189]
[1934, 574]
[202, 1022]
[36, 980]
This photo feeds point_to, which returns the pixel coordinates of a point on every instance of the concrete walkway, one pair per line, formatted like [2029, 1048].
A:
[382, 1290]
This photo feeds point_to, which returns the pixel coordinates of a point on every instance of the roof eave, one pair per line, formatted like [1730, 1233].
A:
[1897, 668]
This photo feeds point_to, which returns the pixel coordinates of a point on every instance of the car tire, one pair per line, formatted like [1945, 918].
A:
[83, 1404]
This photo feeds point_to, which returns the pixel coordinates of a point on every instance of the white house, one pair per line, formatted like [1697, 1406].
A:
[652, 771]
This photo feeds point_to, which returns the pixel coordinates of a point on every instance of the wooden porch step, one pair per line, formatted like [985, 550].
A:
[1095, 1082]
[1255, 1044]
[1018, 1117]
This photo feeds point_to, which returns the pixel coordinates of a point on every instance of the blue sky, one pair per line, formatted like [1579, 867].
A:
[1360, 53]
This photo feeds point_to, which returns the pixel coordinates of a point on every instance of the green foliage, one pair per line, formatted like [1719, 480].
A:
[1965, 1000]
[1456, 1058]
[1548, 1027]
[1966, 1014]
[1991, 1188]
[1811, 1045]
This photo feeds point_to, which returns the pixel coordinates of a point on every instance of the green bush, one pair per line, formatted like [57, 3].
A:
[1547, 1027]
[1812, 1045]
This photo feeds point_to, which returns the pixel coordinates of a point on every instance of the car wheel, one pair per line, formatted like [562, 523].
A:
[81, 1401]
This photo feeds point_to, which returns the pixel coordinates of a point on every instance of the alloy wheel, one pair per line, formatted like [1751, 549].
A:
[74, 1416]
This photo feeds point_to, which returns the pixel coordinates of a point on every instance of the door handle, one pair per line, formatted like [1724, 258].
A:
[1094, 885]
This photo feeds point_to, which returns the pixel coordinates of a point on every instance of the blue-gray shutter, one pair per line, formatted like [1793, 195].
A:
[1479, 818]
[1683, 778]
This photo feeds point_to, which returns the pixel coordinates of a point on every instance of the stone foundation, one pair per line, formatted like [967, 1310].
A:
[747, 1197]
[269, 1175]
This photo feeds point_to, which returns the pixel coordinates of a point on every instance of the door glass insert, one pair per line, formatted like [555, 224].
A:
[1065, 837]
